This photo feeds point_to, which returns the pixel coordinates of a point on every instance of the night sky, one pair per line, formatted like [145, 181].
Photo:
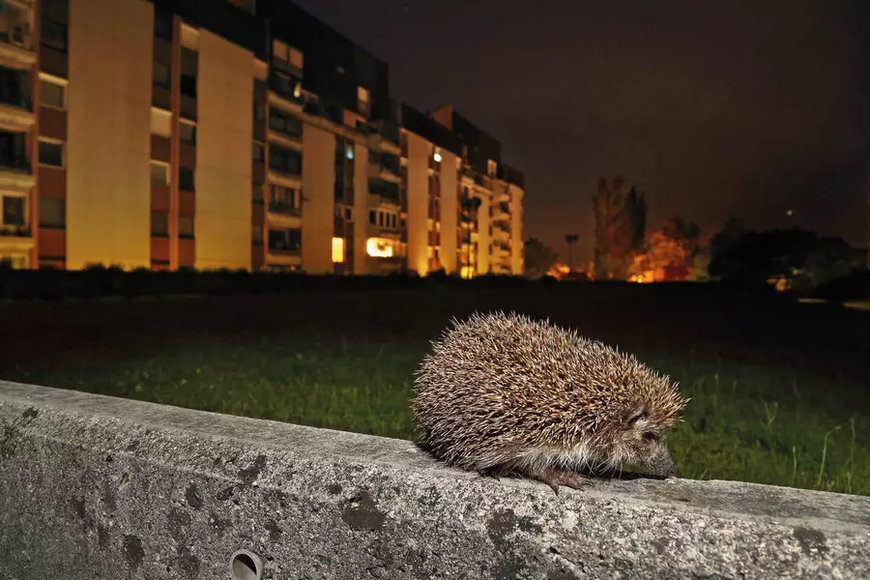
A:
[743, 108]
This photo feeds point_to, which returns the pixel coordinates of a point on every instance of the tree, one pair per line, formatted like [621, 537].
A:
[620, 224]
[539, 258]
[796, 259]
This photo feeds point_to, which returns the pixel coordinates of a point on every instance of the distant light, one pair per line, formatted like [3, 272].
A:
[789, 213]
[350, 152]
[297, 90]
[437, 157]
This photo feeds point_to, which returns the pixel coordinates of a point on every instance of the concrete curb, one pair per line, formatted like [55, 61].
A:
[100, 487]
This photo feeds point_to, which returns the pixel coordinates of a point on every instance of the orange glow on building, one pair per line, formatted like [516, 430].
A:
[380, 247]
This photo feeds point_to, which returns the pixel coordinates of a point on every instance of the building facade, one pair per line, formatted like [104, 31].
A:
[215, 134]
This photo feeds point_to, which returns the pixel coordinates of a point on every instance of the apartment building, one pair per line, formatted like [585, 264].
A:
[215, 134]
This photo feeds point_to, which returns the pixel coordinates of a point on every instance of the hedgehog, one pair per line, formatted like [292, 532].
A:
[503, 394]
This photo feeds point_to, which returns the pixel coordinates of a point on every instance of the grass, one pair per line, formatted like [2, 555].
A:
[779, 391]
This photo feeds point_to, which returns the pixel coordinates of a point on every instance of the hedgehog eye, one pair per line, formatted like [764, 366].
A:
[650, 436]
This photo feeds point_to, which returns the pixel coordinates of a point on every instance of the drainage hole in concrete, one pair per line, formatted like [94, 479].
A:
[245, 565]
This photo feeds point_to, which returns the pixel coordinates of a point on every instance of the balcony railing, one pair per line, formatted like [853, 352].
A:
[15, 231]
[17, 162]
[284, 208]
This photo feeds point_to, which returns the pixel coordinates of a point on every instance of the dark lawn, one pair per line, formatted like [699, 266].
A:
[779, 390]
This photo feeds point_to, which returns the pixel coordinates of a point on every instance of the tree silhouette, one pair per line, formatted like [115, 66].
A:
[620, 225]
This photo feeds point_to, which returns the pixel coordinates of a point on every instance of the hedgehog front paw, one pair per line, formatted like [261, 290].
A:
[556, 477]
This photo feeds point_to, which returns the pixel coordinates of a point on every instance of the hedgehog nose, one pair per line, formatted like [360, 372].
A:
[662, 465]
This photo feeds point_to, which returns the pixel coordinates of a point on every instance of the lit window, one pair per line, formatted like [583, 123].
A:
[279, 50]
[159, 174]
[437, 156]
[338, 250]
[161, 122]
[379, 247]
[52, 94]
[296, 58]
[187, 132]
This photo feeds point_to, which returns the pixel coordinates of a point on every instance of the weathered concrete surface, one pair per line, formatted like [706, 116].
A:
[98, 487]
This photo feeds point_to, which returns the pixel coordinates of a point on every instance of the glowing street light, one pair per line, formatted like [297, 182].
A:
[437, 157]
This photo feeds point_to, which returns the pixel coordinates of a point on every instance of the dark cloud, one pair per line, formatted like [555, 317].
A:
[740, 108]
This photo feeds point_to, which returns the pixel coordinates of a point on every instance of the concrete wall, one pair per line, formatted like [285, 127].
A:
[225, 90]
[449, 211]
[318, 206]
[360, 207]
[108, 200]
[98, 487]
[517, 231]
[484, 239]
[418, 204]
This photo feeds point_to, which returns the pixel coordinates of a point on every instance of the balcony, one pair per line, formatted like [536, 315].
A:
[284, 208]
[15, 101]
[385, 167]
[386, 190]
[16, 38]
[16, 172]
[14, 231]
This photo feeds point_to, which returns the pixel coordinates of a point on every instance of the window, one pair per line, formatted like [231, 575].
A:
[338, 250]
[188, 85]
[373, 217]
[13, 211]
[185, 226]
[363, 100]
[53, 34]
[257, 193]
[161, 122]
[51, 94]
[163, 24]
[52, 212]
[159, 224]
[188, 72]
[289, 241]
[285, 160]
[159, 174]
[162, 75]
[257, 235]
[284, 199]
[280, 51]
[185, 179]
[491, 167]
[259, 153]
[187, 132]
[285, 123]
[50, 153]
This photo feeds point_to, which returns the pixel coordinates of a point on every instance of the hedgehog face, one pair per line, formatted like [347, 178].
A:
[644, 443]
